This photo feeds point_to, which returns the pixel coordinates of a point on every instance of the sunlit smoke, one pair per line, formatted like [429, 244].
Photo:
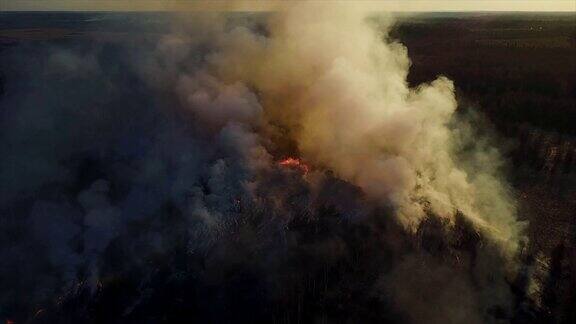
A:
[336, 83]
[284, 145]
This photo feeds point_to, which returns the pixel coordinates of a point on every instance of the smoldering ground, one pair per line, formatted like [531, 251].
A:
[141, 181]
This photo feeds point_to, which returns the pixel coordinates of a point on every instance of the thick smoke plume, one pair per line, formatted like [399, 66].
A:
[333, 82]
[243, 168]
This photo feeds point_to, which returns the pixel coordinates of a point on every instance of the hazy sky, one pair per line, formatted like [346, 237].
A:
[256, 5]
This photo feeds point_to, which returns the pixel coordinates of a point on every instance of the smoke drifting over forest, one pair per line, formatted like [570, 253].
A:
[336, 85]
[249, 168]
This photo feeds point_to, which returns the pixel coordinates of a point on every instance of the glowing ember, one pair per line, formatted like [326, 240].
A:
[294, 163]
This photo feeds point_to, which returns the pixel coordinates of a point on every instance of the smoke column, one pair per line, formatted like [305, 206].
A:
[255, 164]
[331, 80]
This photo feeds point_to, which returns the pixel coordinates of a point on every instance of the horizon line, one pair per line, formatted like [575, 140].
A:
[413, 6]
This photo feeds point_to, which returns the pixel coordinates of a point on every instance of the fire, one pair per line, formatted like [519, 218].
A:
[295, 163]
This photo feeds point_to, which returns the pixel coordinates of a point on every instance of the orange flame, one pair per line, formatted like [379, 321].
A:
[294, 163]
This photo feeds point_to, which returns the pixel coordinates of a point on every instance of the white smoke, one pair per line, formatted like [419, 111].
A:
[334, 81]
[323, 82]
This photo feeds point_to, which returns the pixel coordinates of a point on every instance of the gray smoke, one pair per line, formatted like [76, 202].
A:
[125, 161]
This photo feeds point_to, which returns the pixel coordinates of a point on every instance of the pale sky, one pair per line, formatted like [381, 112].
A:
[266, 5]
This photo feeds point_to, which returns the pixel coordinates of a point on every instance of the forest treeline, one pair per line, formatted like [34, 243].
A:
[528, 92]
